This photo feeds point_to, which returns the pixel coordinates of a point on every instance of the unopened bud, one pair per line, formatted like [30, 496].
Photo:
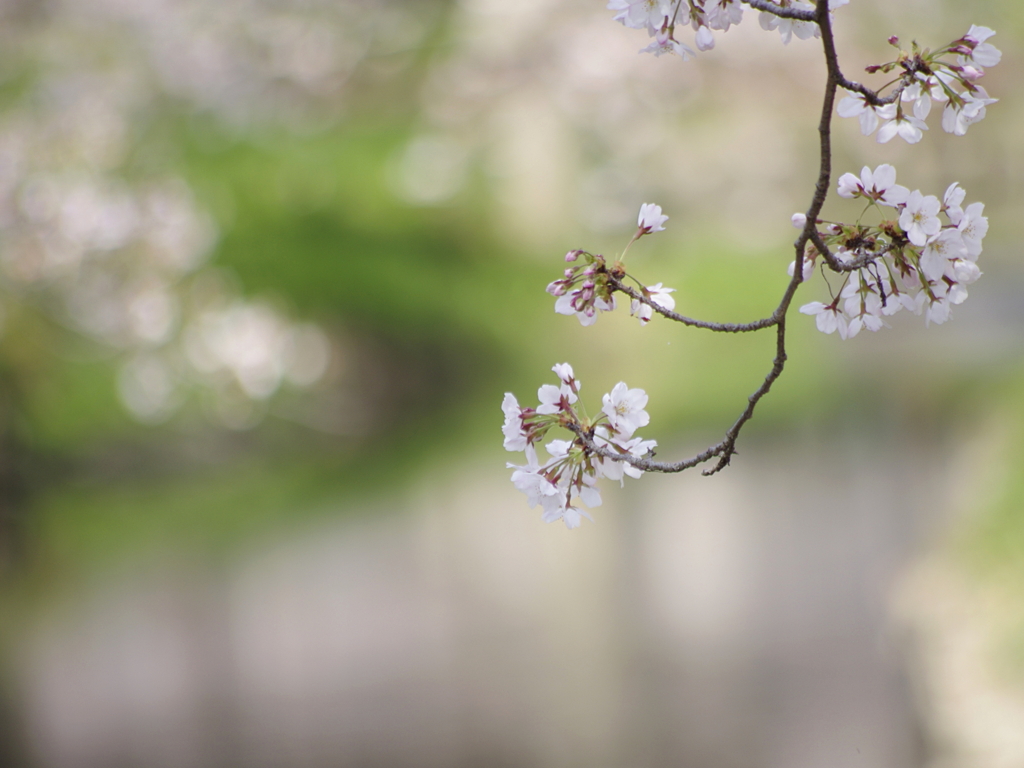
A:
[705, 39]
[573, 255]
[895, 41]
[799, 220]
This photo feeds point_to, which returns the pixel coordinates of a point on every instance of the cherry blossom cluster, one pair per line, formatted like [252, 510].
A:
[584, 289]
[947, 77]
[661, 18]
[573, 469]
[588, 288]
[912, 258]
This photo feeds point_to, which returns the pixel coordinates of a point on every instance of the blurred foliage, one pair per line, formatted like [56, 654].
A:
[990, 542]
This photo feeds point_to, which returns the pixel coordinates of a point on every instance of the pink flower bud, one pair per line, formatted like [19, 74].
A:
[799, 220]
[573, 255]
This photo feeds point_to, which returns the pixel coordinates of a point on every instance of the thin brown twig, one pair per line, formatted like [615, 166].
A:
[782, 13]
[633, 293]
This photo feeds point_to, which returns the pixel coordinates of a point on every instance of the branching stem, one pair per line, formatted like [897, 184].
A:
[782, 13]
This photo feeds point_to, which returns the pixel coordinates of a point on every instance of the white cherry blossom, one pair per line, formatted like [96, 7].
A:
[659, 295]
[624, 408]
[965, 272]
[529, 479]
[850, 185]
[558, 449]
[879, 185]
[907, 127]
[957, 293]
[721, 14]
[957, 118]
[918, 93]
[641, 14]
[515, 435]
[935, 258]
[551, 398]
[973, 228]
[919, 219]
[856, 105]
[651, 219]
[984, 54]
[937, 310]
[570, 515]
[828, 318]
[564, 372]
[951, 202]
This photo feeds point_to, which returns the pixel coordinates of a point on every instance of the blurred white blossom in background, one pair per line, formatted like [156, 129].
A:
[116, 254]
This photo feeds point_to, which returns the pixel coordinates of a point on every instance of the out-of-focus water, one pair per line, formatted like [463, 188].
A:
[733, 621]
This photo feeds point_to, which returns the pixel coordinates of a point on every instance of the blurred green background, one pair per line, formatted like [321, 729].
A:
[373, 194]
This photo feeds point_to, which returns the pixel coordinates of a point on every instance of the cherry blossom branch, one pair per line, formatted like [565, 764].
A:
[912, 261]
[726, 448]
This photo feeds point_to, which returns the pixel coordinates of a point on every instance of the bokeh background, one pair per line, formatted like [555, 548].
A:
[266, 269]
